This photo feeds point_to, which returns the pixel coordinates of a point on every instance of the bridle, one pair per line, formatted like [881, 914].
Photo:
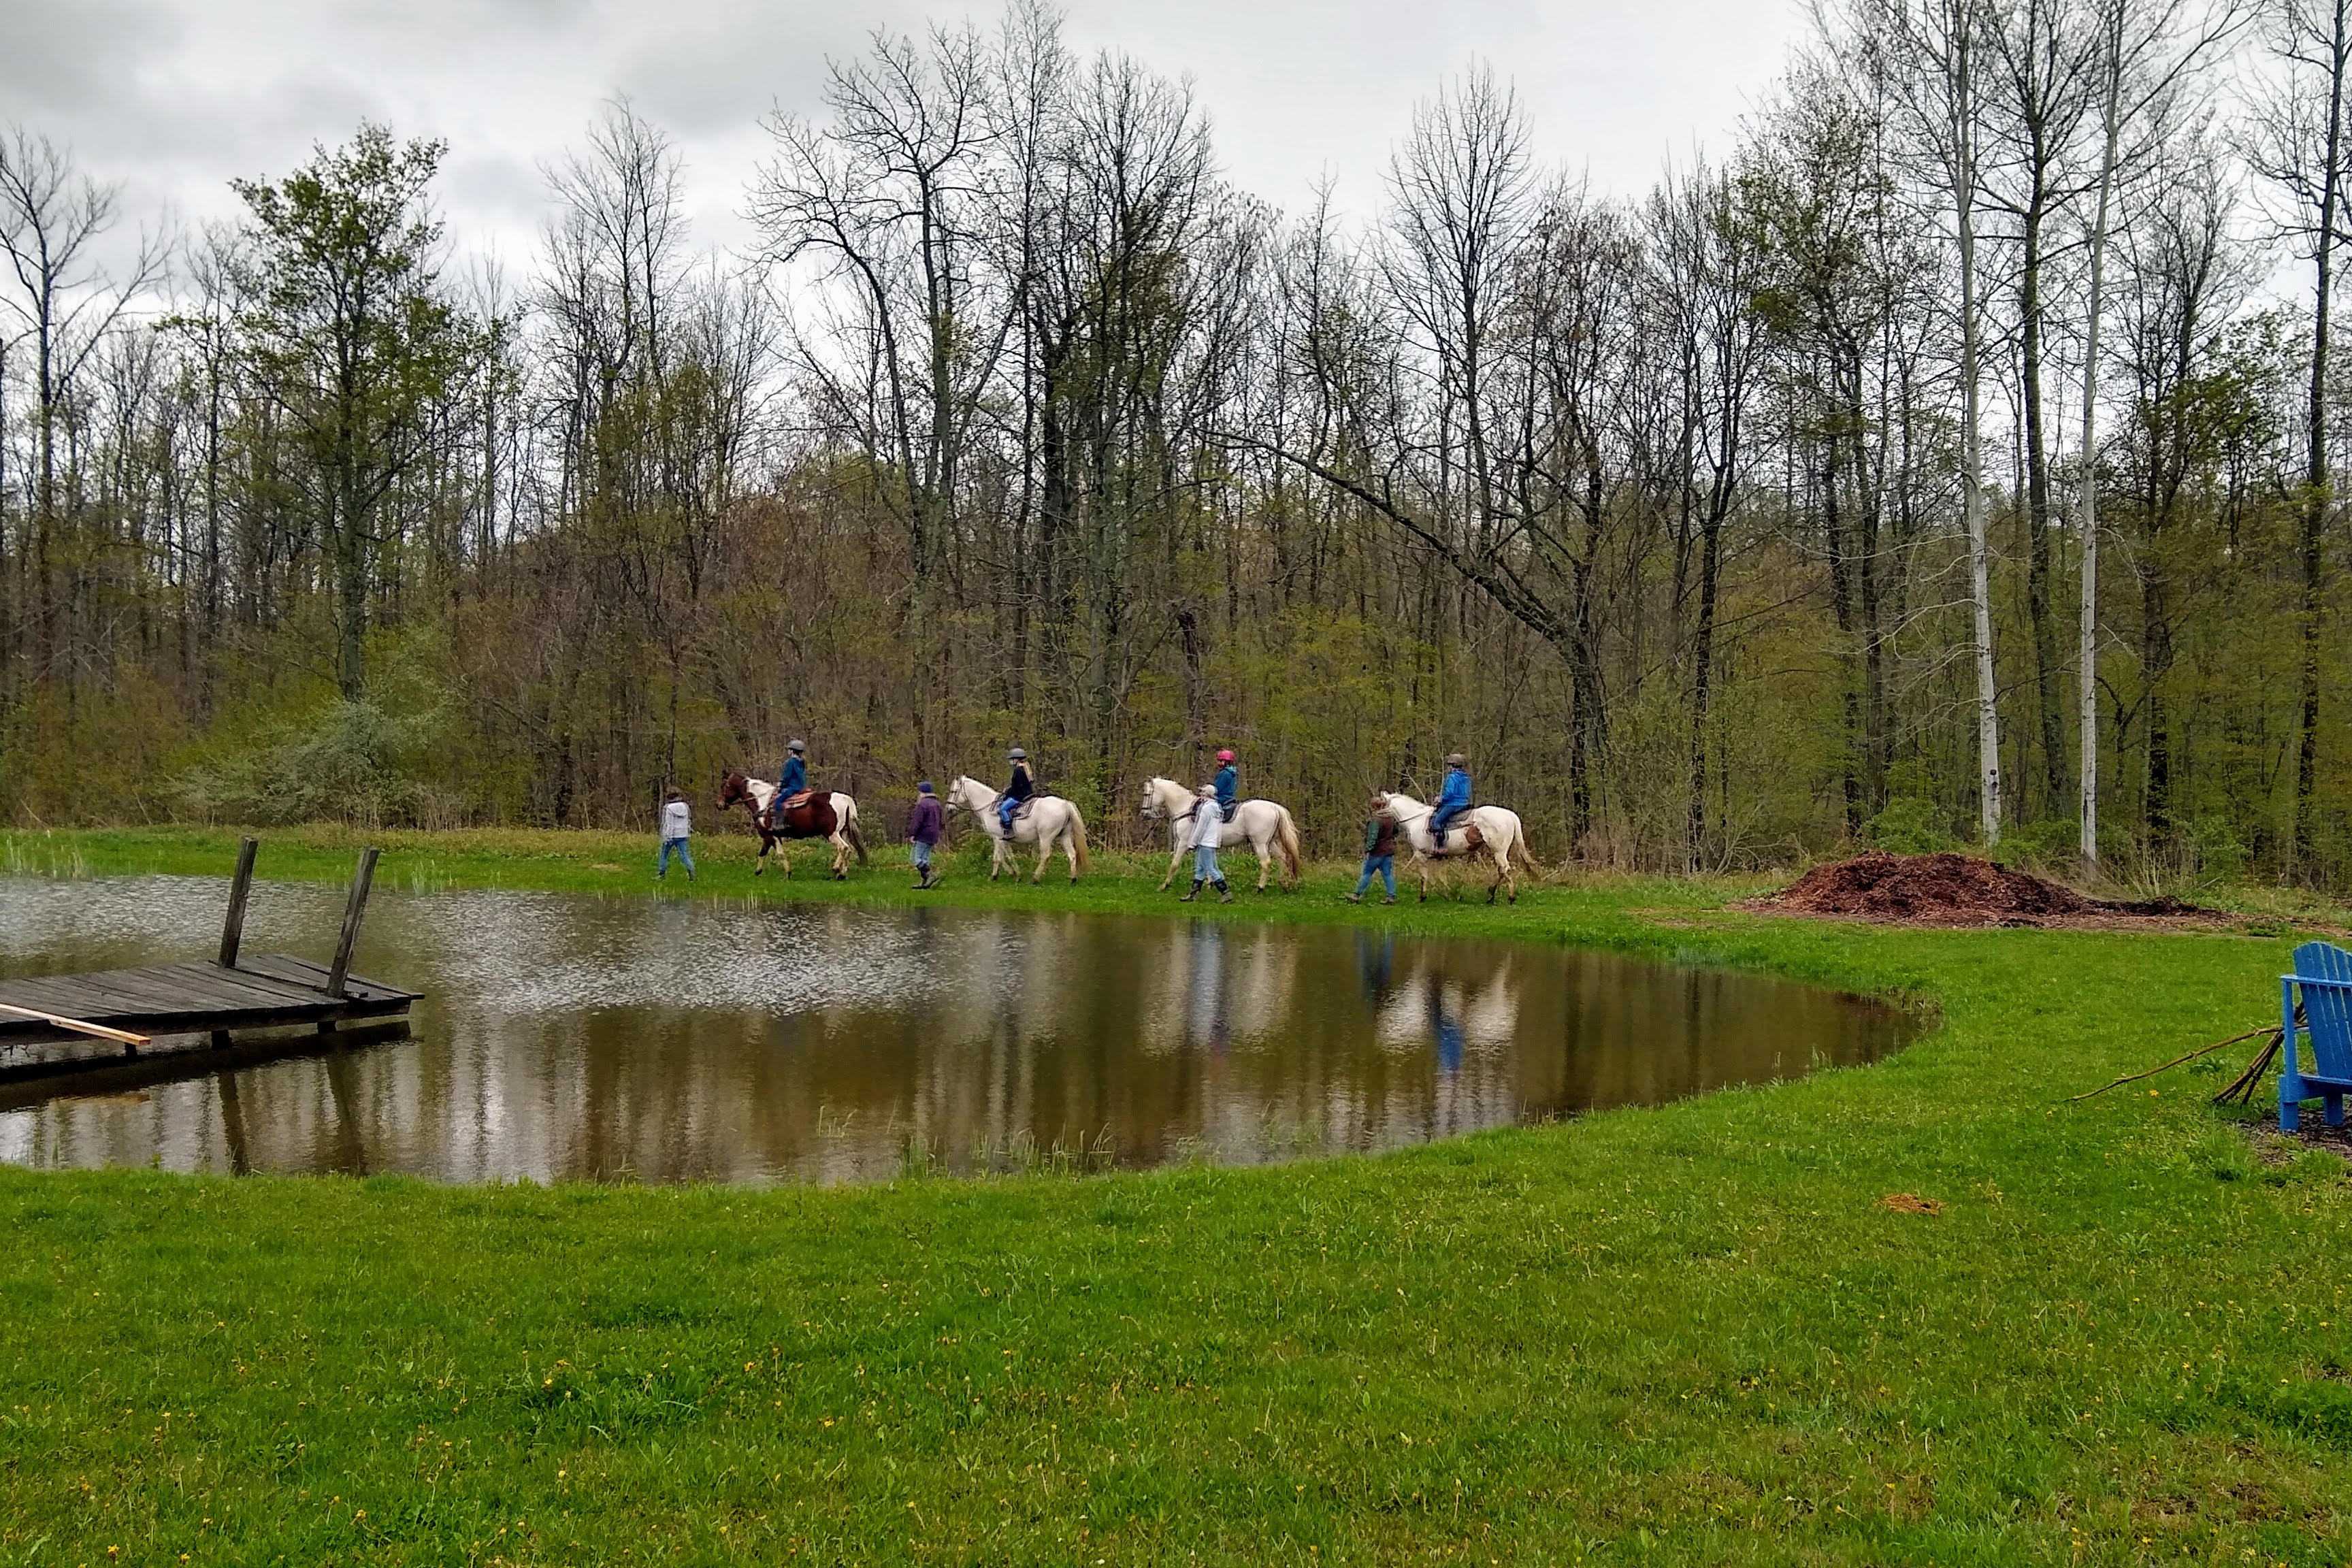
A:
[1156, 812]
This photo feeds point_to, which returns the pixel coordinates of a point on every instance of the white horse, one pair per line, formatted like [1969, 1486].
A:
[1047, 821]
[1264, 826]
[759, 795]
[1497, 836]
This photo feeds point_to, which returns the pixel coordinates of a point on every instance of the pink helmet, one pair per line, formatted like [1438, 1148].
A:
[1225, 755]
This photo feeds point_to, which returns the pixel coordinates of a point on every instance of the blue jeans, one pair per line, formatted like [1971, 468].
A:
[661, 866]
[1004, 810]
[1204, 865]
[1381, 866]
[920, 854]
[1443, 820]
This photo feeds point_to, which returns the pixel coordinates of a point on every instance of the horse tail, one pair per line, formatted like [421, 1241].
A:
[849, 831]
[1287, 835]
[1078, 838]
[1526, 855]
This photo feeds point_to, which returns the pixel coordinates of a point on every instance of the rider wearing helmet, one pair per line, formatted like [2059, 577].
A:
[1020, 789]
[795, 778]
[1453, 800]
[1228, 783]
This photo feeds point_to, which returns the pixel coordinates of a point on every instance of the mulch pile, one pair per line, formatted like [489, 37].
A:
[1956, 890]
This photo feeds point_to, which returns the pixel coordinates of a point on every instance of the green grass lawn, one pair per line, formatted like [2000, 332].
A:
[1688, 1334]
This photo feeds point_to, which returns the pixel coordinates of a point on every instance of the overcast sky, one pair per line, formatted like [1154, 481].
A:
[174, 96]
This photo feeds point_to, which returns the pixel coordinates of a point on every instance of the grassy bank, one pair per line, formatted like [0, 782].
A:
[1693, 1334]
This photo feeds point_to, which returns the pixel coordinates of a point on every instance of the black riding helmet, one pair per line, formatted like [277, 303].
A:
[1017, 755]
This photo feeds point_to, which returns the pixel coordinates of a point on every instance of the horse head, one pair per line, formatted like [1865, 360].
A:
[733, 788]
[1154, 809]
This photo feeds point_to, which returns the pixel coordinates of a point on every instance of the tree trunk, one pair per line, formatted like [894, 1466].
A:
[2316, 484]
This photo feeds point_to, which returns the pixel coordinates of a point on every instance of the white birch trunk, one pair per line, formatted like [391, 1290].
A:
[1962, 92]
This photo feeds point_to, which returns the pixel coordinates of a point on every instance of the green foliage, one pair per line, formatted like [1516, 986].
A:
[2215, 841]
[350, 336]
[348, 762]
[2051, 843]
[1910, 826]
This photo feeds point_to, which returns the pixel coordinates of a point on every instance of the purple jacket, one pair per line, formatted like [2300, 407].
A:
[927, 823]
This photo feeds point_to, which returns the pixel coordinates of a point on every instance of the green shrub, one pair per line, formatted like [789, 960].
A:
[348, 762]
[1910, 826]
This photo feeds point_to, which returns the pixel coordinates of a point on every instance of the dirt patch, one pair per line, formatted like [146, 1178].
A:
[1961, 891]
[2311, 1131]
[1911, 1203]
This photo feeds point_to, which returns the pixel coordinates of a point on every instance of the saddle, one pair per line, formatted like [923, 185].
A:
[808, 815]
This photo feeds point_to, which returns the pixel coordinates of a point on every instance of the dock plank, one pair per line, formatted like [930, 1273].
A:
[198, 997]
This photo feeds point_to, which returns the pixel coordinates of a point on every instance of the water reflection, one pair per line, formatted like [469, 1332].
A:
[667, 1041]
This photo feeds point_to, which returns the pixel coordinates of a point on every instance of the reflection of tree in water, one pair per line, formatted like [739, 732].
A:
[670, 1040]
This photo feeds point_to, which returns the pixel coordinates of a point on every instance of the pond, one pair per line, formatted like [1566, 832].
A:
[666, 1041]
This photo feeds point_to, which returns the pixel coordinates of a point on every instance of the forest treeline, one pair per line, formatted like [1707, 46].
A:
[1954, 458]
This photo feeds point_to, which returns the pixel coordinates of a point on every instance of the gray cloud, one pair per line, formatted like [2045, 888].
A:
[174, 96]
[62, 56]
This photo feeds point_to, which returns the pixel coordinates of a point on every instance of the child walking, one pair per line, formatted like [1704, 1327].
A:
[1379, 853]
[677, 823]
[925, 825]
[1208, 828]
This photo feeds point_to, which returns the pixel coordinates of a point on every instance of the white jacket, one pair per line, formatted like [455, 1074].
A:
[677, 821]
[1208, 824]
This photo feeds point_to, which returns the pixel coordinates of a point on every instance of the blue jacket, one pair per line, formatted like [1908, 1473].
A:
[1456, 795]
[1229, 783]
[795, 778]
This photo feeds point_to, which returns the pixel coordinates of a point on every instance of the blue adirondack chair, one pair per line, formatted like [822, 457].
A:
[2323, 971]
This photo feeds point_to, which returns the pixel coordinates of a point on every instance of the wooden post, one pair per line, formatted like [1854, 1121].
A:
[233, 929]
[353, 912]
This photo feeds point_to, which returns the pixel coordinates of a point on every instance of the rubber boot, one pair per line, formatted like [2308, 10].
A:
[1225, 894]
[1193, 894]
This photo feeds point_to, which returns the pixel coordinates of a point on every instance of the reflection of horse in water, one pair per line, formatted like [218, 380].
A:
[1216, 984]
[1429, 1006]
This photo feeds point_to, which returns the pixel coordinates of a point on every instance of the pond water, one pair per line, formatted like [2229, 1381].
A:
[566, 1037]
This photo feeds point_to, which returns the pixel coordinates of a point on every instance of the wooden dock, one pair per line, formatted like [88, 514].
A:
[125, 1008]
[198, 998]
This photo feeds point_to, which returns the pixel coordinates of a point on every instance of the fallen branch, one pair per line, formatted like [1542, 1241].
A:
[2192, 1056]
[2242, 1090]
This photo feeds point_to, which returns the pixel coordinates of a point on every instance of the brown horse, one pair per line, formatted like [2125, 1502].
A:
[817, 815]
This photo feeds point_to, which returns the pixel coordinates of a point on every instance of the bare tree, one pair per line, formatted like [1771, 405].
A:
[2298, 142]
[1935, 55]
[2043, 54]
[2146, 50]
[52, 221]
[1705, 274]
